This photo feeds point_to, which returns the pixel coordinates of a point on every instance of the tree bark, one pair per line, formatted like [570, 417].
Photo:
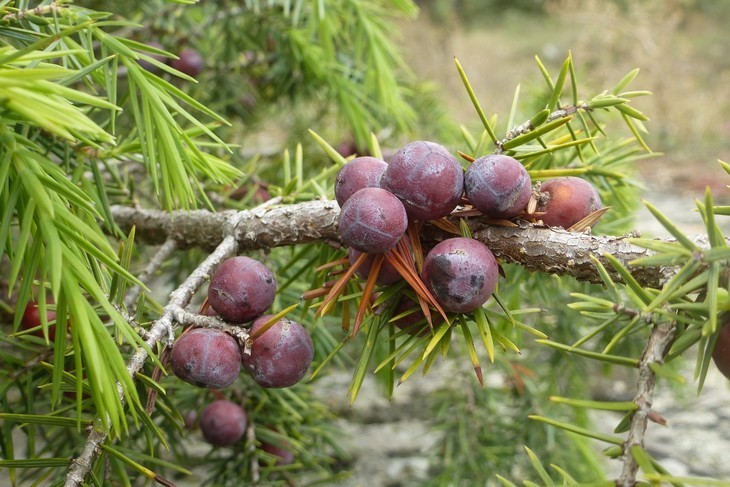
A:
[536, 248]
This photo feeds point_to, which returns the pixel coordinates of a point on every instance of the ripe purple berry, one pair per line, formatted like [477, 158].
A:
[372, 220]
[281, 356]
[387, 274]
[241, 289]
[461, 273]
[498, 186]
[223, 423]
[415, 322]
[567, 200]
[427, 178]
[359, 173]
[284, 455]
[189, 61]
[721, 352]
[206, 357]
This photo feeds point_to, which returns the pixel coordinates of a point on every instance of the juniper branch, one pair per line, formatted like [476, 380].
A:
[660, 340]
[179, 298]
[535, 248]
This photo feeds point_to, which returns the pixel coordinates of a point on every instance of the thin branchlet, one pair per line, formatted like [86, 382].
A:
[660, 340]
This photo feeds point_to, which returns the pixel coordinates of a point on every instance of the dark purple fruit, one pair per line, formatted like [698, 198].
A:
[461, 273]
[223, 423]
[281, 356]
[387, 274]
[206, 357]
[189, 61]
[427, 178]
[157, 57]
[32, 319]
[498, 186]
[567, 200]
[372, 220]
[241, 289]
[721, 352]
[284, 454]
[414, 323]
[359, 173]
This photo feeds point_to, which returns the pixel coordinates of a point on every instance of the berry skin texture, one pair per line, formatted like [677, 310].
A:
[241, 289]
[223, 423]
[427, 178]
[461, 273]
[721, 352]
[569, 200]
[206, 357]
[498, 186]
[281, 356]
[189, 62]
[359, 173]
[372, 220]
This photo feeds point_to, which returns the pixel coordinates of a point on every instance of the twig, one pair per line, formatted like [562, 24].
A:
[660, 340]
[155, 263]
[163, 328]
[533, 247]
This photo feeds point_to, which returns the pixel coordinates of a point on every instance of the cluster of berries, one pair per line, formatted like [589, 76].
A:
[422, 182]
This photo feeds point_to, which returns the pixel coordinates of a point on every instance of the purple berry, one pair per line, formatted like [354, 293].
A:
[157, 57]
[284, 454]
[498, 186]
[241, 289]
[206, 357]
[567, 200]
[359, 173]
[386, 276]
[461, 273]
[427, 178]
[372, 220]
[281, 356]
[189, 61]
[414, 323]
[721, 352]
[223, 423]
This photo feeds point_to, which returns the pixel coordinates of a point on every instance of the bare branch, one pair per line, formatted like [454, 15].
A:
[536, 248]
[659, 342]
[154, 264]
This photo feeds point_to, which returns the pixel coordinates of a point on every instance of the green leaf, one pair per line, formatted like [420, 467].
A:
[625, 81]
[475, 102]
[597, 405]
[537, 466]
[480, 318]
[640, 292]
[35, 463]
[47, 420]
[328, 149]
[611, 359]
[578, 430]
[554, 99]
[362, 364]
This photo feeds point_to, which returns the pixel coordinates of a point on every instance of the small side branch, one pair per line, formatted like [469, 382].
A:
[154, 265]
[659, 342]
[162, 329]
